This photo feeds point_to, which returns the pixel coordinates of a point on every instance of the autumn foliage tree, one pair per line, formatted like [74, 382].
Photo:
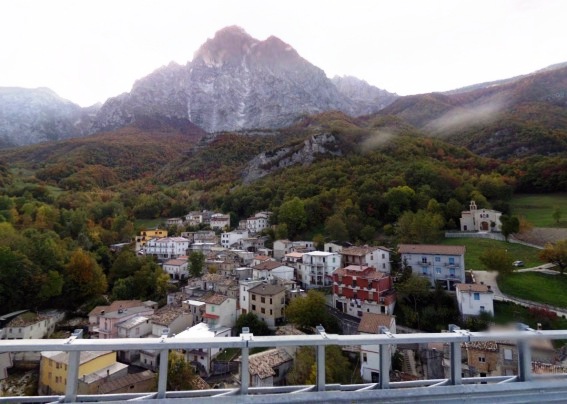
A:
[84, 278]
[556, 254]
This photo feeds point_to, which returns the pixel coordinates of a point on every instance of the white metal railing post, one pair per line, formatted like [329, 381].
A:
[524, 356]
[456, 358]
[321, 360]
[245, 371]
[163, 359]
[73, 369]
[385, 359]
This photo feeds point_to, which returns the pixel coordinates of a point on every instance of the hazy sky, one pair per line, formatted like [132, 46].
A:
[89, 50]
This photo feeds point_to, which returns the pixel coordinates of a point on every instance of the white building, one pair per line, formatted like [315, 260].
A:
[232, 237]
[480, 219]
[220, 311]
[202, 357]
[474, 299]
[443, 264]
[370, 354]
[176, 268]
[220, 221]
[375, 257]
[31, 325]
[135, 327]
[269, 368]
[316, 269]
[258, 222]
[283, 247]
[167, 247]
[268, 269]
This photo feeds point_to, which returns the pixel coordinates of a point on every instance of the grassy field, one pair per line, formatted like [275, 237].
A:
[476, 246]
[538, 209]
[538, 287]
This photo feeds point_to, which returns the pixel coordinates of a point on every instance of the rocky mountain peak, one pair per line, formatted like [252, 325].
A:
[234, 82]
[228, 45]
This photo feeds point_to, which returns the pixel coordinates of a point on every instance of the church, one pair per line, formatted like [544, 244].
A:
[484, 220]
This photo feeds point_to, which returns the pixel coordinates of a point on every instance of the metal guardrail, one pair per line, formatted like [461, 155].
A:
[504, 388]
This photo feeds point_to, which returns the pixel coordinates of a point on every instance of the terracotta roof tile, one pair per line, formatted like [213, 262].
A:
[431, 249]
[371, 322]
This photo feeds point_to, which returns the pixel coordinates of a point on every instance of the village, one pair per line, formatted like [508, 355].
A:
[240, 276]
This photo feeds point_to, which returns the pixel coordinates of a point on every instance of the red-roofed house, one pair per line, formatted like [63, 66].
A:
[370, 354]
[362, 289]
[443, 264]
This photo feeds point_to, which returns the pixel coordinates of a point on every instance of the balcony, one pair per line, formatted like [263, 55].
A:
[526, 387]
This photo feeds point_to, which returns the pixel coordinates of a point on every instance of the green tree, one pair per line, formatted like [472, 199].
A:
[414, 290]
[420, 227]
[292, 213]
[367, 233]
[309, 311]
[556, 254]
[337, 367]
[282, 231]
[84, 278]
[336, 228]
[180, 373]
[19, 281]
[196, 263]
[399, 200]
[510, 225]
[126, 264]
[256, 325]
[497, 259]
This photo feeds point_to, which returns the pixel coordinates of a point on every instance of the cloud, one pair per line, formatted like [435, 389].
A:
[463, 117]
[376, 140]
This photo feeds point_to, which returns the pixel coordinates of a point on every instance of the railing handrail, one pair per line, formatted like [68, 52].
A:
[455, 337]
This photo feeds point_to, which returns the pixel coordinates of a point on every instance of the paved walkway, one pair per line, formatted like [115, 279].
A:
[489, 278]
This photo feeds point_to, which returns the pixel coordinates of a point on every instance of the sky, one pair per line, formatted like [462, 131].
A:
[90, 50]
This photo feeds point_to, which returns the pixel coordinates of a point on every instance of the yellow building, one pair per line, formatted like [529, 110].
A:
[148, 234]
[53, 368]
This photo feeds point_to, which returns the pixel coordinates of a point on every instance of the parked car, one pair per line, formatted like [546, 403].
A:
[518, 263]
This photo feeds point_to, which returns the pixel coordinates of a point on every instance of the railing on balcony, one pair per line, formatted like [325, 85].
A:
[524, 387]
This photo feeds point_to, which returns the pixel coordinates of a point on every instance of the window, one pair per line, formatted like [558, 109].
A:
[263, 310]
[476, 296]
[364, 357]
[253, 297]
[481, 359]
[424, 260]
[213, 309]
[253, 307]
[271, 312]
[452, 260]
[438, 271]
[508, 354]
[244, 298]
[263, 299]
[354, 283]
